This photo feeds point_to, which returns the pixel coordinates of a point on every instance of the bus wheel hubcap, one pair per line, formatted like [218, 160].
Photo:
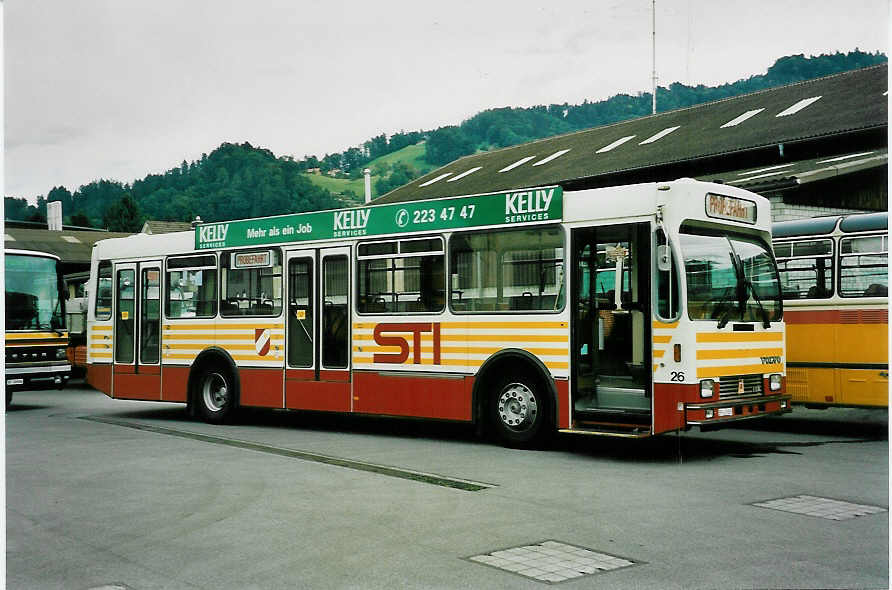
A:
[517, 407]
[215, 392]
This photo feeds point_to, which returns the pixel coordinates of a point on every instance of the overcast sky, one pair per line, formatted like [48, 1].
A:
[119, 89]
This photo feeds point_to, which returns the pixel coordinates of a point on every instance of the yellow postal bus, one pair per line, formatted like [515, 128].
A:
[835, 277]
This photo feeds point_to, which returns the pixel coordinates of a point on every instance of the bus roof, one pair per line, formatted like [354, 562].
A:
[821, 226]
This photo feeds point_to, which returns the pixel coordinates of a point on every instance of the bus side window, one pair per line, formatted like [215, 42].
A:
[864, 266]
[104, 291]
[667, 280]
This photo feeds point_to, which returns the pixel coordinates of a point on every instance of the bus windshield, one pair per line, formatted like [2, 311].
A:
[730, 277]
[33, 299]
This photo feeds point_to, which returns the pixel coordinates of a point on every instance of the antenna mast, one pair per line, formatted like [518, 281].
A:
[653, 12]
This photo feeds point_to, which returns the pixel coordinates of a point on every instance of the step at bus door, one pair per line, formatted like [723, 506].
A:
[136, 371]
[317, 342]
[611, 317]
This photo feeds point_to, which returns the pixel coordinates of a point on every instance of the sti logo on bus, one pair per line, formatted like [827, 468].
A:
[403, 344]
[212, 233]
[528, 205]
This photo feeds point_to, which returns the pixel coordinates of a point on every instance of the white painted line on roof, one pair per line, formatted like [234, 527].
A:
[433, 180]
[841, 158]
[465, 173]
[749, 178]
[659, 135]
[741, 118]
[557, 154]
[8, 238]
[793, 109]
[615, 144]
[516, 164]
[778, 167]
[71, 239]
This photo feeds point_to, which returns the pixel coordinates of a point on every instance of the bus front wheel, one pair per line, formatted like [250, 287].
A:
[519, 412]
[215, 396]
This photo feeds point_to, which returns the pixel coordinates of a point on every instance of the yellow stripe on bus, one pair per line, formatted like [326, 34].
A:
[480, 325]
[704, 372]
[564, 338]
[662, 339]
[223, 326]
[474, 363]
[740, 337]
[36, 336]
[664, 326]
[200, 346]
[98, 328]
[738, 353]
[462, 350]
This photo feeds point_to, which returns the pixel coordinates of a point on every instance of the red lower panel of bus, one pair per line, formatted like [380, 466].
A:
[563, 402]
[412, 395]
[174, 383]
[144, 385]
[303, 392]
[260, 387]
[100, 377]
[667, 416]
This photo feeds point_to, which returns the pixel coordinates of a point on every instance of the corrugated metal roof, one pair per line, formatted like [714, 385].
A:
[153, 226]
[72, 246]
[826, 107]
[774, 176]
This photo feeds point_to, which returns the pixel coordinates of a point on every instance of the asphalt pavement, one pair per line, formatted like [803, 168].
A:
[104, 493]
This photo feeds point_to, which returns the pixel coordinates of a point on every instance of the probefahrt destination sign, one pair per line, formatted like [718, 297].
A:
[505, 208]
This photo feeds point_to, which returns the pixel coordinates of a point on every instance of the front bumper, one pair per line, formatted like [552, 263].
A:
[715, 414]
[37, 377]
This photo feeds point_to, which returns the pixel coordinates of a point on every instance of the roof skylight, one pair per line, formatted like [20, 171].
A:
[660, 135]
[517, 163]
[615, 144]
[465, 173]
[438, 178]
[741, 118]
[793, 109]
[557, 154]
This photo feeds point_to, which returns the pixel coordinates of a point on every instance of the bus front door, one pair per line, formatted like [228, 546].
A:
[317, 344]
[611, 311]
[137, 331]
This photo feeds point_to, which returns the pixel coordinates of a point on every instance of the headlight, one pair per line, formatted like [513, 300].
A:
[774, 382]
[710, 413]
[706, 388]
[61, 353]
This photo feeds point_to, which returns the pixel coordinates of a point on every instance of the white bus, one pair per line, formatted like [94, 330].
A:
[478, 308]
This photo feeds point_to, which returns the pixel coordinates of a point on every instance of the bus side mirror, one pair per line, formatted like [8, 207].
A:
[664, 258]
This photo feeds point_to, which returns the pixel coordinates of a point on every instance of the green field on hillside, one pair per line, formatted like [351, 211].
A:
[412, 155]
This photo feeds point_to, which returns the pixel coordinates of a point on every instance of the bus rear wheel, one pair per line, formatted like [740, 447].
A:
[215, 396]
[519, 412]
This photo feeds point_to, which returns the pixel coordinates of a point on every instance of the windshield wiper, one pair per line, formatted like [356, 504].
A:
[766, 322]
[724, 304]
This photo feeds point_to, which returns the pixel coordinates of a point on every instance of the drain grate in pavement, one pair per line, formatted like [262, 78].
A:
[551, 561]
[821, 507]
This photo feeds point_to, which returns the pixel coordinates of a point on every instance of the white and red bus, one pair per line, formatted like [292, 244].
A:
[626, 311]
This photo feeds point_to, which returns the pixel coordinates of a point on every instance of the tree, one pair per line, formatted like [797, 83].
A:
[447, 144]
[123, 216]
[79, 219]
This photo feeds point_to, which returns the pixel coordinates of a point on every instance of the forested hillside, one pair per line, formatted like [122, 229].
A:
[236, 181]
